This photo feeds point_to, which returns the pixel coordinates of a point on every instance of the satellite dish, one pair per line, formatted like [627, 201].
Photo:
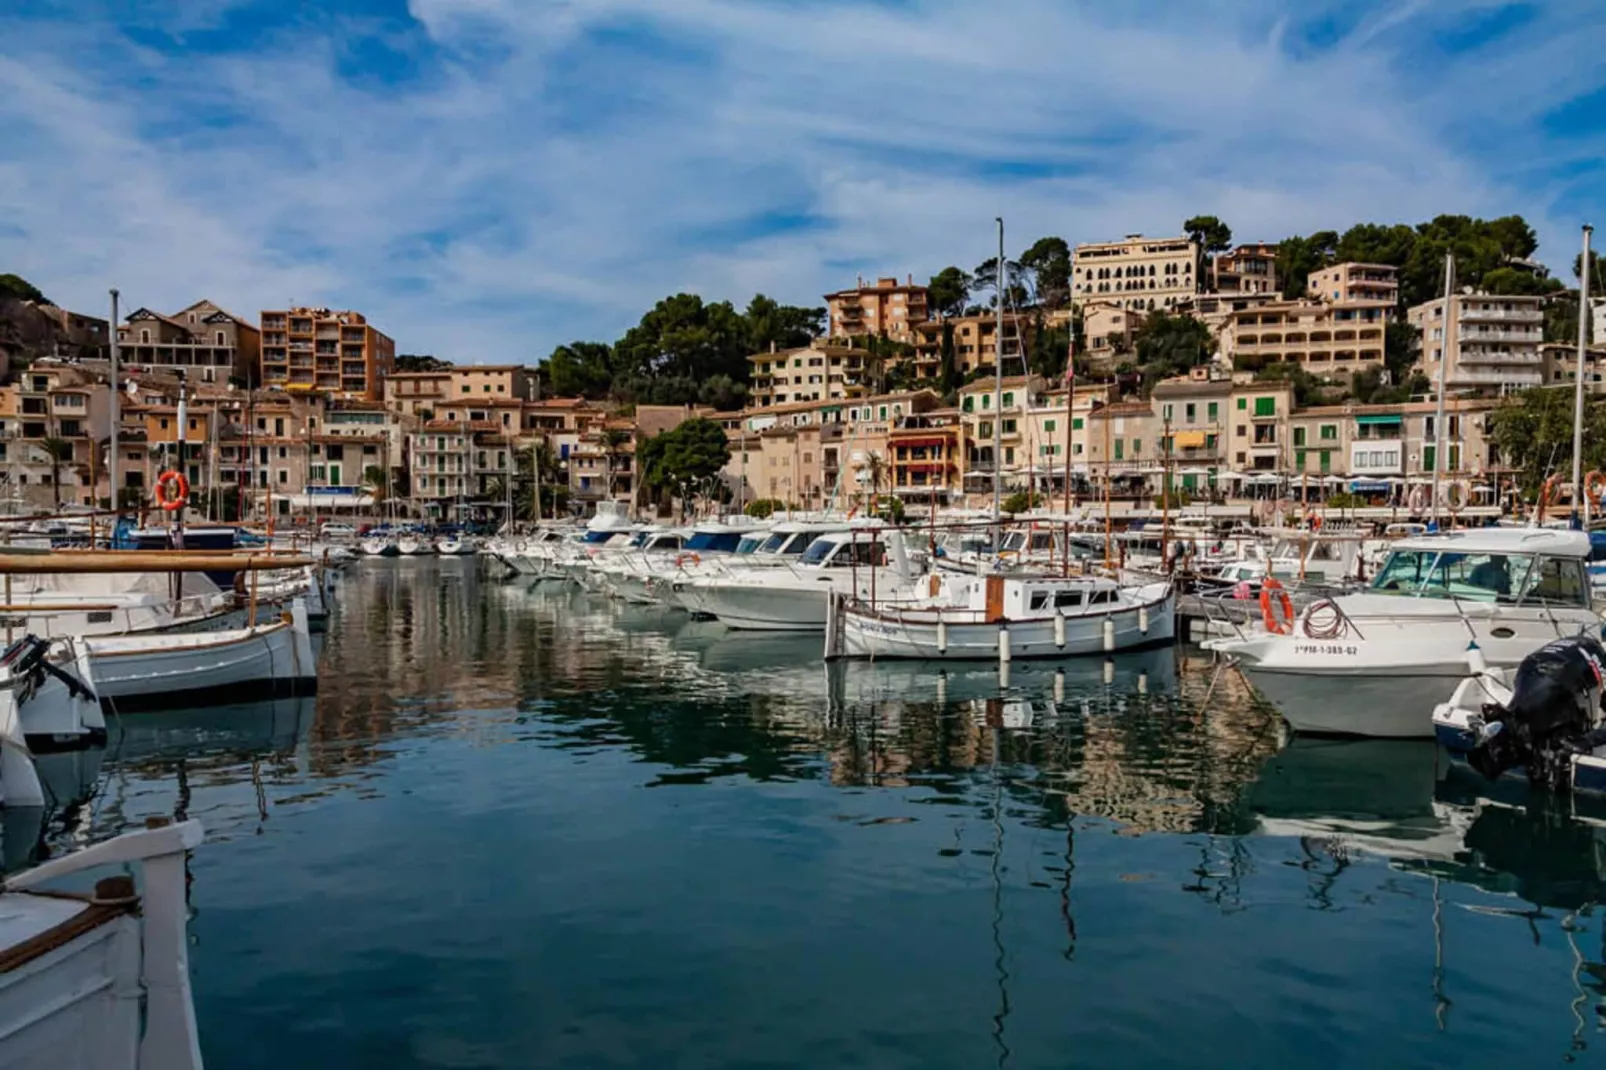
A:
[133, 389]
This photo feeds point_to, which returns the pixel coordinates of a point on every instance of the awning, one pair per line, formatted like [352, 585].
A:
[1187, 440]
[1371, 486]
[1379, 419]
[327, 501]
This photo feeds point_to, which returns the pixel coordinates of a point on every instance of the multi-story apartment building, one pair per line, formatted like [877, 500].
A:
[417, 393]
[1350, 282]
[974, 342]
[1330, 339]
[1560, 363]
[817, 372]
[926, 452]
[602, 465]
[986, 415]
[1487, 343]
[502, 381]
[1195, 412]
[888, 309]
[1246, 269]
[52, 420]
[1257, 422]
[1138, 273]
[316, 349]
[203, 341]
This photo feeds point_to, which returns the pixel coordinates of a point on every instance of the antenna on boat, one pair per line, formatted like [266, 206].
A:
[1444, 361]
[998, 400]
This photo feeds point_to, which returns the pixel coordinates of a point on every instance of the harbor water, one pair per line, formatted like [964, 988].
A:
[520, 826]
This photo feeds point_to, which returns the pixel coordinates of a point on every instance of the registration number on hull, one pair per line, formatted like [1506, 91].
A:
[1341, 649]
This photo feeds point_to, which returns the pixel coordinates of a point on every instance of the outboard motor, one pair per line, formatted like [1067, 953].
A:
[1554, 713]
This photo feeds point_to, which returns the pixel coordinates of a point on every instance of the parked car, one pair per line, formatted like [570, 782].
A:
[338, 529]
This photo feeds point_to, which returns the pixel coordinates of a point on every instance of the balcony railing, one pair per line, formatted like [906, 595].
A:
[1479, 315]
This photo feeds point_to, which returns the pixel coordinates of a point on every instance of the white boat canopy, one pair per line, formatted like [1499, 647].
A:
[1550, 541]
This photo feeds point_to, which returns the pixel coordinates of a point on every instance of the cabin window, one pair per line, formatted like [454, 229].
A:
[1556, 581]
[1100, 597]
[1039, 599]
[1067, 599]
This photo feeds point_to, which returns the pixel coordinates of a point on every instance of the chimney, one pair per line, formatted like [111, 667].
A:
[911, 277]
[772, 345]
[861, 282]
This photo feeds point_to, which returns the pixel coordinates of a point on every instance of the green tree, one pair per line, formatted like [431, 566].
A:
[581, 369]
[1214, 237]
[420, 362]
[949, 291]
[58, 451]
[784, 326]
[17, 288]
[1049, 263]
[376, 480]
[984, 280]
[1022, 501]
[1169, 345]
[1534, 432]
[678, 345]
[1400, 349]
[614, 441]
[1297, 257]
[1510, 280]
[677, 461]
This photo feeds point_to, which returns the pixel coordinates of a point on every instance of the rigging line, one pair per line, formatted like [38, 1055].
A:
[999, 964]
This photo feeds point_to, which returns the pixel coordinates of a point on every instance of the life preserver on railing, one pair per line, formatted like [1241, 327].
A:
[1421, 497]
[1313, 520]
[1276, 608]
[1455, 495]
[690, 555]
[1595, 485]
[1317, 624]
[172, 490]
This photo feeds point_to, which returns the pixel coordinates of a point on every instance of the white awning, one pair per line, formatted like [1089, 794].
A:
[327, 501]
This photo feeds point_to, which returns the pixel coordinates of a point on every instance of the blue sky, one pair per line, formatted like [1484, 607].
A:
[489, 178]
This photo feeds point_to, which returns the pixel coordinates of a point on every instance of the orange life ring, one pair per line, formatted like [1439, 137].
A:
[690, 555]
[174, 481]
[1549, 494]
[1276, 608]
[1595, 485]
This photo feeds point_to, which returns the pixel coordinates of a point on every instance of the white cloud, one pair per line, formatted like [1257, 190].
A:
[544, 178]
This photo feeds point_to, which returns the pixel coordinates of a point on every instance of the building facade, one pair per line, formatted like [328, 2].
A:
[203, 341]
[1486, 343]
[307, 349]
[816, 372]
[1246, 269]
[888, 309]
[974, 342]
[1137, 273]
[1330, 339]
[1355, 282]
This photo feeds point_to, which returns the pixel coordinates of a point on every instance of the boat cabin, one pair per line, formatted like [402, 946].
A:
[1521, 566]
[846, 549]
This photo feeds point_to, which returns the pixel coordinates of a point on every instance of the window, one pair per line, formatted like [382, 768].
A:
[220, 340]
[1243, 403]
[986, 401]
[1191, 412]
[1210, 441]
[1009, 399]
[1212, 411]
[1009, 454]
[985, 430]
[1009, 427]
[1429, 455]
[1120, 445]
[145, 337]
[1299, 458]
[1165, 413]
[1137, 446]
[1242, 430]
[1048, 427]
[1299, 436]
[970, 404]
[1076, 423]
[1329, 432]
[1265, 406]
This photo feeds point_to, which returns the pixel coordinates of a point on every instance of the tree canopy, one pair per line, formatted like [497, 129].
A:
[1169, 345]
[1211, 233]
[1534, 431]
[18, 288]
[420, 362]
[949, 291]
[677, 461]
[1049, 262]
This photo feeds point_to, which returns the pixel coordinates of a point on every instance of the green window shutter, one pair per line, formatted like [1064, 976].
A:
[1210, 441]
[1137, 446]
[1167, 413]
[1214, 409]
[1076, 423]
[1048, 427]
[1243, 403]
[1299, 436]
[1427, 458]
[1120, 444]
[1299, 458]
[1192, 411]
[1327, 461]
[1009, 399]
[1329, 432]
[1009, 427]
[1265, 406]
[986, 430]
[970, 403]
[1455, 458]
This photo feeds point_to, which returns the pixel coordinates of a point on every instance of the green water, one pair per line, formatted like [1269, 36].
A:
[522, 826]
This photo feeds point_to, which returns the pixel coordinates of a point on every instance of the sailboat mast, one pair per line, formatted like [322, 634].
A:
[1578, 385]
[1444, 364]
[998, 401]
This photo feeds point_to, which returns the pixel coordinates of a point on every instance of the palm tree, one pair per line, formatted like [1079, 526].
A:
[58, 451]
[613, 441]
[876, 465]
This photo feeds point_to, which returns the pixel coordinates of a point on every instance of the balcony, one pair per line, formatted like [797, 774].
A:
[1494, 315]
[1497, 378]
[1531, 338]
[1525, 359]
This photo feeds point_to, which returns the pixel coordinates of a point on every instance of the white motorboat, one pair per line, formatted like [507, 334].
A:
[998, 617]
[47, 687]
[379, 546]
[101, 980]
[862, 563]
[454, 546]
[1374, 663]
[128, 672]
[414, 545]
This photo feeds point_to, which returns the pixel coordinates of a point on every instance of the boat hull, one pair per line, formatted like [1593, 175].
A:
[905, 634]
[1381, 704]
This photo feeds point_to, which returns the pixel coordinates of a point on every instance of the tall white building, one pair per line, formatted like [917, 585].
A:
[1487, 342]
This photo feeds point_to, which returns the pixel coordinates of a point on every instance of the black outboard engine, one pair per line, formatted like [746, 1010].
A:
[1554, 713]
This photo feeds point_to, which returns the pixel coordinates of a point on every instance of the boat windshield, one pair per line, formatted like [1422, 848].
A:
[598, 536]
[750, 544]
[1505, 578]
[819, 551]
[800, 542]
[714, 541]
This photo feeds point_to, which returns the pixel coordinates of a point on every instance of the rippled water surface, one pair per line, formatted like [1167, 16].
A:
[522, 826]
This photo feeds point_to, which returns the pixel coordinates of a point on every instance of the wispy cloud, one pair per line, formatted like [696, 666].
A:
[487, 178]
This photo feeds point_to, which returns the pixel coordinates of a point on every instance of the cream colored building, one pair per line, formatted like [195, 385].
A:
[1108, 331]
[1257, 421]
[493, 381]
[1350, 282]
[817, 372]
[974, 343]
[1330, 340]
[888, 309]
[412, 393]
[1492, 342]
[1560, 362]
[317, 349]
[1138, 273]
